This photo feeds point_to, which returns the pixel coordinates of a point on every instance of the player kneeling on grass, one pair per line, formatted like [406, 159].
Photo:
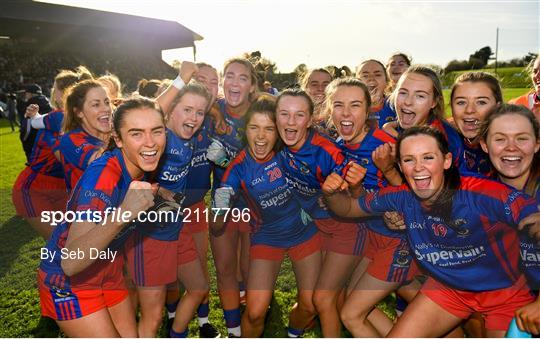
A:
[278, 223]
[86, 296]
[453, 226]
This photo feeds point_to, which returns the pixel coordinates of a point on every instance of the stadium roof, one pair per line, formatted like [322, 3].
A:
[29, 19]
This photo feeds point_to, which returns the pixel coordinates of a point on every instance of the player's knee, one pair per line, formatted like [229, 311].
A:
[256, 313]
[225, 268]
[322, 300]
[305, 304]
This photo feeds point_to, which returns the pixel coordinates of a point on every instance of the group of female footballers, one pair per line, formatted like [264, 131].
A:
[361, 181]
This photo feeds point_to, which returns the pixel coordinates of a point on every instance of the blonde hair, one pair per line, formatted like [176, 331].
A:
[112, 84]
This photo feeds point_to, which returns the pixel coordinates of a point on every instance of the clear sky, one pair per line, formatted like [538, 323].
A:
[320, 33]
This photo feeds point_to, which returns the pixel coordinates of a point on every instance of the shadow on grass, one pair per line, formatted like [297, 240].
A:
[10, 132]
[46, 328]
[276, 321]
[14, 234]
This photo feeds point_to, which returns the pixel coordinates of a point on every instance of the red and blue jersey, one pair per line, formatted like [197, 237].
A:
[306, 170]
[374, 178]
[277, 219]
[530, 250]
[381, 115]
[42, 159]
[198, 180]
[102, 186]
[76, 148]
[475, 160]
[479, 241]
[326, 128]
[455, 143]
[232, 140]
[172, 174]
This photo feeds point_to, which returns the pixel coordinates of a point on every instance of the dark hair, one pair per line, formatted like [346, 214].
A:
[304, 79]
[375, 61]
[296, 92]
[119, 115]
[264, 104]
[476, 77]
[400, 54]
[74, 101]
[442, 207]
[148, 88]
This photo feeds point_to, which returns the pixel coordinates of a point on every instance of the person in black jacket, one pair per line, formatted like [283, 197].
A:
[33, 95]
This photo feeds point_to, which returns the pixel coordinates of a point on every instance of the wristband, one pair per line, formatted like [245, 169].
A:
[178, 83]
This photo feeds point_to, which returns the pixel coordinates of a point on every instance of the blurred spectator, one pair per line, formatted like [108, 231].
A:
[12, 111]
[269, 89]
[33, 95]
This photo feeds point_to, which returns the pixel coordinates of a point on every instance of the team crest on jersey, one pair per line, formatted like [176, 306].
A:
[304, 169]
[292, 164]
[389, 119]
[364, 161]
[462, 232]
[403, 257]
[60, 295]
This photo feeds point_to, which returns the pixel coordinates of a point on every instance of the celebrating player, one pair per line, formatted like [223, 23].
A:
[41, 186]
[87, 128]
[387, 252]
[473, 97]
[279, 224]
[453, 226]
[307, 159]
[373, 74]
[85, 293]
[511, 137]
